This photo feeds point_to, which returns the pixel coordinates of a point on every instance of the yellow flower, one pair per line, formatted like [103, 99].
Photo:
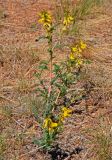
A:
[46, 20]
[79, 62]
[77, 49]
[45, 17]
[68, 20]
[74, 49]
[47, 26]
[72, 57]
[66, 112]
[83, 45]
[49, 124]
[65, 22]
[54, 125]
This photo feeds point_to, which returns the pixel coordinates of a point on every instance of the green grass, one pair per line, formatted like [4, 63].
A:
[78, 10]
[84, 7]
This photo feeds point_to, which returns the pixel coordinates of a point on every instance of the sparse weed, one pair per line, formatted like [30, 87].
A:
[6, 110]
[103, 141]
[36, 106]
[23, 85]
[2, 146]
[77, 9]
[84, 7]
[60, 78]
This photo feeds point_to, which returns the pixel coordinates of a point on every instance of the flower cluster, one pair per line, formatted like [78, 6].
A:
[75, 55]
[46, 20]
[66, 112]
[68, 20]
[52, 126]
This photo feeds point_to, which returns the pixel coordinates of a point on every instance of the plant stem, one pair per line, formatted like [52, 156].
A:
[51, 62]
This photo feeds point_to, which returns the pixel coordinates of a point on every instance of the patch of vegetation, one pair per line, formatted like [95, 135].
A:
[61, 77]
[84, 7]
[2, 146]
[103, 139]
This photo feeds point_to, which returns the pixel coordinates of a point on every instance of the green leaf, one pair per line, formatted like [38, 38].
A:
[43, 67]
[54, 80]
[63, 90]
[39, 142]
[57, 68]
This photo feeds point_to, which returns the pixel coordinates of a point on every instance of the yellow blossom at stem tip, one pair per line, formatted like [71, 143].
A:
[46, 20]
[45, 17]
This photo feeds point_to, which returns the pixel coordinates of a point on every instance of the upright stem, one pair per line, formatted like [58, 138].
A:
[50, 85]
[50, 50]
[51, 61]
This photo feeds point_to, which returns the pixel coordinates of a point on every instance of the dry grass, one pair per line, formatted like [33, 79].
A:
[102, 140]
